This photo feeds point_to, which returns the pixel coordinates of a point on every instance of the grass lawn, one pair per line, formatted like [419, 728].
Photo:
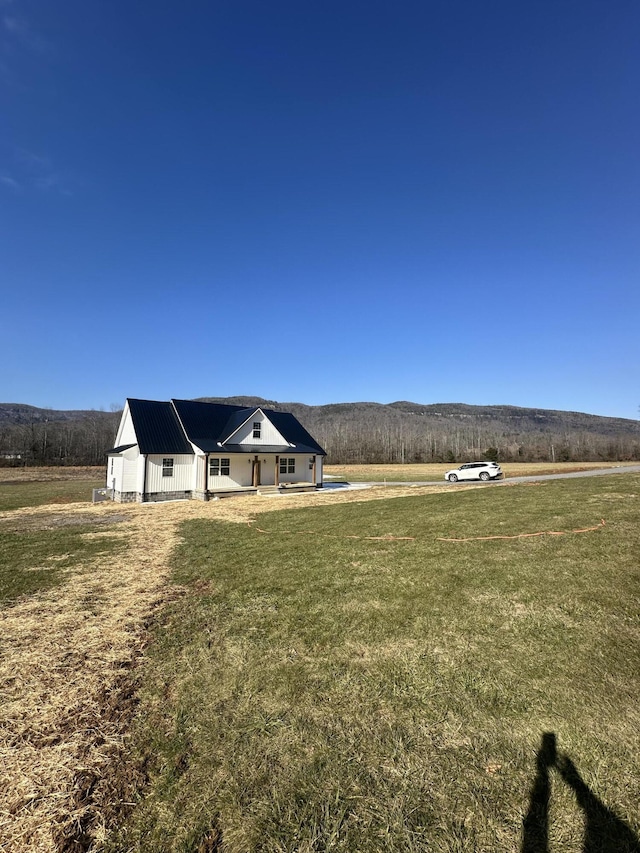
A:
[36, 554]
[34, 560]
[313, 691]
[14, 495]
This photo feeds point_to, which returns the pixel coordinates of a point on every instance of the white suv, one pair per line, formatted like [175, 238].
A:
[475, 471]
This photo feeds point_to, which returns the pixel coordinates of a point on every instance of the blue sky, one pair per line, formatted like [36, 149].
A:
[321, 202]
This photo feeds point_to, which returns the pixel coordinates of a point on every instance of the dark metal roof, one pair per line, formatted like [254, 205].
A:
[157, 427]
[205, 423]
[120, 449]
[235, 422]
[292, 430]
[170, 427]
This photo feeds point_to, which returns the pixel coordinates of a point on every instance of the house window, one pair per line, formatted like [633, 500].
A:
[219, 467]
[112, 465]
[287, 465]
[257, 429]
[167, 467]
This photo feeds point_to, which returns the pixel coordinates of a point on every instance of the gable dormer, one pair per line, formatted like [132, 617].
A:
[253, 427]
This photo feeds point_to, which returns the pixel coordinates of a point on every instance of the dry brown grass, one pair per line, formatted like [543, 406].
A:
[48, 474]
[67, 664]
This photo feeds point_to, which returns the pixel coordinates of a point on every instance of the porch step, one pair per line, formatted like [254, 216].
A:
[268, 490]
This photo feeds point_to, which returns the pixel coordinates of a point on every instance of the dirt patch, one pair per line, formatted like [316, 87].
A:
[101, 792]
[68, 667]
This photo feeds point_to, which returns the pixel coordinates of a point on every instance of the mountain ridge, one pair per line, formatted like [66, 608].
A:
[16, 413]
[461, 410]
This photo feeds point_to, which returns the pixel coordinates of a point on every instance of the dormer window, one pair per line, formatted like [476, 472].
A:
[257, 429]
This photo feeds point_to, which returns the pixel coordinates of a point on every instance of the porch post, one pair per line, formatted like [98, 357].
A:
[313, 471]
[277, 477]
[206, 476]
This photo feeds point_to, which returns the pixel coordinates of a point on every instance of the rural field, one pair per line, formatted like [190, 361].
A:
[392, 669]
[436, 471]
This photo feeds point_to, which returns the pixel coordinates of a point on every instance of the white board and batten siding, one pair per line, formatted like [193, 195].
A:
[126, 470]
[132, 470]
[240, 471]
[268, 433]
[114, 471]
[197, 472]
[181, 479]
[126, 432]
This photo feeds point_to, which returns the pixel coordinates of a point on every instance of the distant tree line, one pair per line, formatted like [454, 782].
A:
[84, 441]
[406, 432]
[359, 433]
[378, 443]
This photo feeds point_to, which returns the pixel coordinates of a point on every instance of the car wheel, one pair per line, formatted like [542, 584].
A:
[485, 476]
[453, 478]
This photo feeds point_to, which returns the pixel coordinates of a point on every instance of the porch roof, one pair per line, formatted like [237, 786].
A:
[115, 451]
[258, 449]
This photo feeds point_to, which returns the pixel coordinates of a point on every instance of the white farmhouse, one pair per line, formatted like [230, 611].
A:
[183, 449]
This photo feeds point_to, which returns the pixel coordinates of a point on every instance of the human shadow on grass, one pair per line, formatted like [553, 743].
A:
[535, 827]
[604, 831]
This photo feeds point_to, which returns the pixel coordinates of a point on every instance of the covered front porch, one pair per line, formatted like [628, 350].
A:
[256, 472]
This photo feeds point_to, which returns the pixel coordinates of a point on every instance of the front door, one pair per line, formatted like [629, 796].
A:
[256, 472]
